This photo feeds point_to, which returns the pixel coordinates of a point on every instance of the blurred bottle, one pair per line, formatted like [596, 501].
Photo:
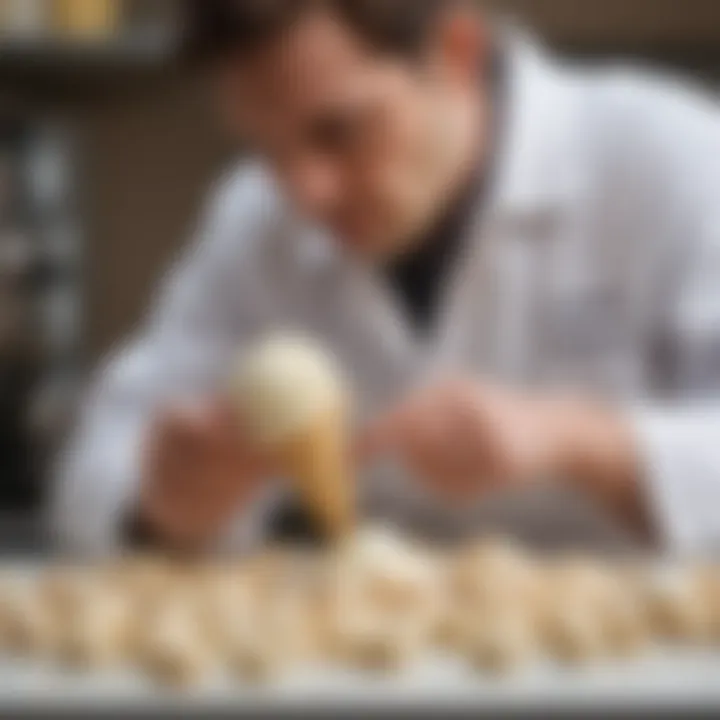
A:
[15, 314]
[18, 256]
[20, 341]
[23, 18]
[6, 188]
[87, 19]
[21, 363]
[47, 173]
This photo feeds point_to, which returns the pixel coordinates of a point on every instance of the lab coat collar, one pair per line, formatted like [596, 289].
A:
[535, 172]
[535, 176]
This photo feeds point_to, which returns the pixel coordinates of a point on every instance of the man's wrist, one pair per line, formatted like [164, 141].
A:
[597, 454]
[590, 440]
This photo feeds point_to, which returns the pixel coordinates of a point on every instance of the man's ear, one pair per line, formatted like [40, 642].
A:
[461, 46]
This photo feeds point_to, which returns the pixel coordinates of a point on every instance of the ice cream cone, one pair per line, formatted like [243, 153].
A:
[294, 402]
[317, 461]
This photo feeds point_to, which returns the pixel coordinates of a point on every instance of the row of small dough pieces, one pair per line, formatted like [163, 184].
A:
[173, 648]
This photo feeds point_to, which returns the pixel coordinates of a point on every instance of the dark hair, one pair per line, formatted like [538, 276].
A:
[213, 29]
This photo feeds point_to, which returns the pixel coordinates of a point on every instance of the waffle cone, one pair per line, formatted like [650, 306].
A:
[318, 462]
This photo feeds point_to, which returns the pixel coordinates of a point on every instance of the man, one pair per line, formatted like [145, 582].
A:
[518, 263]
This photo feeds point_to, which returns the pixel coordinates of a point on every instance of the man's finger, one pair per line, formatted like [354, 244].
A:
[232, 440]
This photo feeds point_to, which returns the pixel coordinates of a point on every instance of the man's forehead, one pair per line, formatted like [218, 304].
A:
[316, 59]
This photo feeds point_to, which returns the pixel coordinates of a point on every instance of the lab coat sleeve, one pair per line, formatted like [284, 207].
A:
[206, 307]
[680, 441]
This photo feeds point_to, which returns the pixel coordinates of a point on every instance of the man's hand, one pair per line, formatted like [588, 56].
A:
[198, 473]
[465, 439]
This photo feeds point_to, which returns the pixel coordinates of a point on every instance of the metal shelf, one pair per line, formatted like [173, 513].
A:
[41, 70]
[56, 55]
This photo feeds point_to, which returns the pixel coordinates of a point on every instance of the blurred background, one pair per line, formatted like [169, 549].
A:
[106, 151]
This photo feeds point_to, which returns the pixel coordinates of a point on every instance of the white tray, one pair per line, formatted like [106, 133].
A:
[663, 678]
[680, 679]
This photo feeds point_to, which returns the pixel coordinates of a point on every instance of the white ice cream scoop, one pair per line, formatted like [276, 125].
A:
[283, 385]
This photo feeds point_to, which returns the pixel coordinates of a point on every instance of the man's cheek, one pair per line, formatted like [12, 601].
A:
[393, 192]
[367, 202]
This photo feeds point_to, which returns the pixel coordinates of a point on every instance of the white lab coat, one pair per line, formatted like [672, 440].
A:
[595, 262]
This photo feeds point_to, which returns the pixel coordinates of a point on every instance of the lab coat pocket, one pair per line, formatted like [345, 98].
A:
[584, 339]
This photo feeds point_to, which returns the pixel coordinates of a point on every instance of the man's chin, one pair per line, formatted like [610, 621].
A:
[372, 249]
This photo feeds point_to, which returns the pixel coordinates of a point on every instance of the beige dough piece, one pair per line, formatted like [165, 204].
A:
[370, 641]
[148, 581]
[677, 609]
[379, 571]
[260, 621]
[379, 579]
[273, 636]
[709, 584]
[607, 598]
[384, 601]
[585, 579]
[254, 659]
[293, 401]
[173, 650]
[97, 633]
[28, 628]
[277, 571]
[448, 630]
[293, 584]
[12, 594]
[501, 643]
[622, 615]
[573, 635]
[62, 589]
[222, 602]
[244, 644]
[575, 596]
[492, 574]
[627, 631]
